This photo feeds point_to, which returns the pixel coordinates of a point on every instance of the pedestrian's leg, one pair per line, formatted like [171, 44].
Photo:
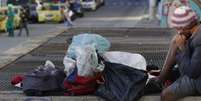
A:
[70, 23]
[65, 23]
[21, 27]
[27, 30]
[10, 32]
[152, 9]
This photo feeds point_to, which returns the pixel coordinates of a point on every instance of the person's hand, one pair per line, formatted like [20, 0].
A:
[154, 72]
[180, 41]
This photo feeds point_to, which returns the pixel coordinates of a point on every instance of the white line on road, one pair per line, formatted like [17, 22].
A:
[116, 18]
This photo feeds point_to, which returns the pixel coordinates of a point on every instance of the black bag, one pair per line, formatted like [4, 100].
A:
[153, 87]
[44, 81]
[122, 83]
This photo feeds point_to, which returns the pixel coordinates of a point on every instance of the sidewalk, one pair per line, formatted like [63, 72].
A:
[145, 22]
[35, 30]
[12, 48]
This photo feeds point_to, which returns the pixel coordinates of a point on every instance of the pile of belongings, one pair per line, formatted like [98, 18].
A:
[89, 68]
[92, 69]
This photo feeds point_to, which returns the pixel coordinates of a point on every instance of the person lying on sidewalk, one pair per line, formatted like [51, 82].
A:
[185, 51]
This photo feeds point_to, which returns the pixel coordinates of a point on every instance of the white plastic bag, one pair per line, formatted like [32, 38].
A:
[69, 65]
[126, 58]
[100, 44]
[87, 61]
[70, 13]
[49, 63]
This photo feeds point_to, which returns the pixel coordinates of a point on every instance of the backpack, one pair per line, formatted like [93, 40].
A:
[44, 81]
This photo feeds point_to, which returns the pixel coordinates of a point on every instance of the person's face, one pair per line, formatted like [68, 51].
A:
[185, 30]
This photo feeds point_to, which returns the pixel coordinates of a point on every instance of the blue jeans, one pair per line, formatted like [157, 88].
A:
[67, 23]
[10, 32]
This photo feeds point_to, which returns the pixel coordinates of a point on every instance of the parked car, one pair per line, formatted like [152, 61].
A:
[3, 17]
[17, 2]
[92, 4]
[51, 13]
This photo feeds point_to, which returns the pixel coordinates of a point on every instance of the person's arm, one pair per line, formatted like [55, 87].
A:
[193, 65]
[169, 61]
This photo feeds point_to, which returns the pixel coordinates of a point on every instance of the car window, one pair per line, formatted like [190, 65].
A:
[45, 8]
[2, 15]
[54, 7]
[87, 0]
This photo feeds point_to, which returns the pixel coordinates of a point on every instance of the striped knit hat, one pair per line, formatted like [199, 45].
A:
[183, 16]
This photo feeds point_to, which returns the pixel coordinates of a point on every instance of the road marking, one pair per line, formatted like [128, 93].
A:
[128, 3]
[116, 18]
[37, 99]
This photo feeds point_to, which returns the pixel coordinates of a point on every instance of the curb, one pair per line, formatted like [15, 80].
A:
[21, 97]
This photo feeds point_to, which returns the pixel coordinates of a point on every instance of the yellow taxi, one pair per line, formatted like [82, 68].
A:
[3, 17]
[51, 13]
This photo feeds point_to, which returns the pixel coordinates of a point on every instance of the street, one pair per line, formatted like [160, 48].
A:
[116, 13]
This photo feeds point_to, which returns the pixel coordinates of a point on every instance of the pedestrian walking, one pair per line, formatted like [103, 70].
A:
[67, 13]
[23, 21]
[10, 21]
[153, 8]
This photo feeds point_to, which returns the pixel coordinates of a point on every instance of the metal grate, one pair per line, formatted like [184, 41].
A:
[152, 44]
[5, 82]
